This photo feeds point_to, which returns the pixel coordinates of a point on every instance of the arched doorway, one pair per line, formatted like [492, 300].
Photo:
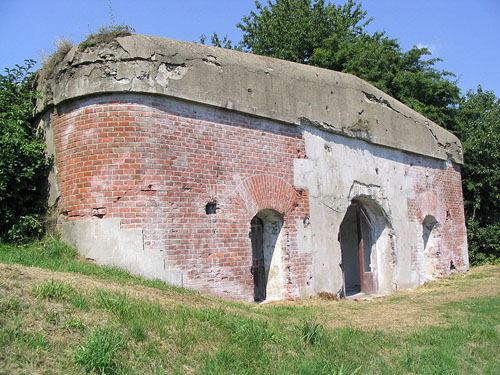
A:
[266, 238]
[430, 237]
[366, 243]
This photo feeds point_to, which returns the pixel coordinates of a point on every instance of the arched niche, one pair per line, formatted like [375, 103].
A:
[431, 238]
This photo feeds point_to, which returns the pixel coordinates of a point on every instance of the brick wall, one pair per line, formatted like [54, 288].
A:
[438, 193]
[156, 163]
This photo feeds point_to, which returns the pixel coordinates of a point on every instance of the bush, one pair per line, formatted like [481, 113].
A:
[478, 126]
[24, 166]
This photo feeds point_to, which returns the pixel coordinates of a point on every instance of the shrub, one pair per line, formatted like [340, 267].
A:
[24, 166]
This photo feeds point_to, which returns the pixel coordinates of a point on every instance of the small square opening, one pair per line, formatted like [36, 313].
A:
[211, 208]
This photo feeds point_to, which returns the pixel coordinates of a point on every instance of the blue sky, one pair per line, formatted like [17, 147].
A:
[465, 33]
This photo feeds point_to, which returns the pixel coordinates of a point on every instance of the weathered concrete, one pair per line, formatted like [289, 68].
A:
[280, 90]
[106, 243]
[146, 131]
[337, 171]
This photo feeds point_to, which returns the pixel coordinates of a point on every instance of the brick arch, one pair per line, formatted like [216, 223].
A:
[265, 191]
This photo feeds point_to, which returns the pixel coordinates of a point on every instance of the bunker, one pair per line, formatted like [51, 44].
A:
[245, 176]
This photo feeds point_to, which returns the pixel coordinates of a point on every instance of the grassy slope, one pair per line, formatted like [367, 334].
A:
[71, 317]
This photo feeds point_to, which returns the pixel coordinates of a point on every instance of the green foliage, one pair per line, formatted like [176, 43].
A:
[406, 76]
[334, 37]
[216, 41]
[101, 351]
[23, 164]
[478, 126]
[293, 29]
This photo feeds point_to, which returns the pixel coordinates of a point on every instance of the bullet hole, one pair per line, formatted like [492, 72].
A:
[306, 221]
[211, 208]
[376, 170]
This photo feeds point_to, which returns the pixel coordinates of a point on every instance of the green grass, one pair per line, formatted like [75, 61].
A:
[57, 256]
[66, 327]
[101, 351]
[53, 289]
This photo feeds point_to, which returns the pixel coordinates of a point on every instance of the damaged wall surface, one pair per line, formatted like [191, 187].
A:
[184, 162]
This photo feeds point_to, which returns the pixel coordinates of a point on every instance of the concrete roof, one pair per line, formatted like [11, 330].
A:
[280, 90]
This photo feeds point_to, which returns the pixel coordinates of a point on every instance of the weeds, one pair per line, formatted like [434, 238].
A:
[117, 303]
[138, 331]
[105, 35]
[53, 290]
[101, 351]
[312, 333]
[49, 64]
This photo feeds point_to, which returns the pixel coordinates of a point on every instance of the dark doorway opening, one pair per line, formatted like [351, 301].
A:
[357, 246]
[258, 268]
[266, 255]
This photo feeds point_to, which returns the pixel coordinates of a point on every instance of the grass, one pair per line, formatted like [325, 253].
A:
[100, 352]
[57, 256]
[80, 318]
[105, 35]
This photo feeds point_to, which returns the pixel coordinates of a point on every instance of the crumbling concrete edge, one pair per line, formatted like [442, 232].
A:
[260, 86]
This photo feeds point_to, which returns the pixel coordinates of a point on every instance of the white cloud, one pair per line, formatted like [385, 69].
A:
[431, 47]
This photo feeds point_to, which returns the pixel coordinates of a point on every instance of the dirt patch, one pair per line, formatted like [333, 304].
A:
[406, 309]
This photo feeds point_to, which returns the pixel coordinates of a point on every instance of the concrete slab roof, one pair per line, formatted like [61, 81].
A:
[256, 85]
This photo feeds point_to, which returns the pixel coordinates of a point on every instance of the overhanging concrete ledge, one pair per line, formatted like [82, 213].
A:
[256, 85]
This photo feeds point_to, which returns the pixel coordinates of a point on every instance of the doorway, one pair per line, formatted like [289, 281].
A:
[267, 270]
[430, 237]
[357, 239]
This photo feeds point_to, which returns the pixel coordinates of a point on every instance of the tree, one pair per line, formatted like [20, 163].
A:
[334, 37]
[406, 76]
[293, 29]
[478, 126]
[318, 33]
[23, 165]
